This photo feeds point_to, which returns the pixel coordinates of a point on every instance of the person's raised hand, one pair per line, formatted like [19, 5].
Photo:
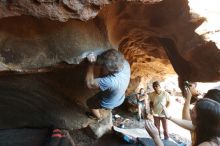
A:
[151, 129]
[187, 92]
[91, 57]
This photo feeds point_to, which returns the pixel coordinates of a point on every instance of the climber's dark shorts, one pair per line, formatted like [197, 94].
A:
[94, 102]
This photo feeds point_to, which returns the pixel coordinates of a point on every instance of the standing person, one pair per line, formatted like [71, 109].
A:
[158, 99]
[143, 103]
[112, 81]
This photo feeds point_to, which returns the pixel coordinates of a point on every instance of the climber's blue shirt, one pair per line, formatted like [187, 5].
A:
[115, 86]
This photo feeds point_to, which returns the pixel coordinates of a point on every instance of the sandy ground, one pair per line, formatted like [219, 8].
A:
[177, 133]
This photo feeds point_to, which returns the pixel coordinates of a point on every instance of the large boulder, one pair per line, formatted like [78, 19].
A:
[45, 51]
[152, 34]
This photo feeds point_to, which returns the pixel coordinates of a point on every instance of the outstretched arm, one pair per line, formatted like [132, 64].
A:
[187, 124]
[90, 80]
[186, 107]
[184, 86]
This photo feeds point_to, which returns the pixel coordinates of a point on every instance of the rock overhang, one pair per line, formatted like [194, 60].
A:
[163, 31]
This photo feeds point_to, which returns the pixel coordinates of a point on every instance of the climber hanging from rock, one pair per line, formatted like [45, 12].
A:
[112, 81]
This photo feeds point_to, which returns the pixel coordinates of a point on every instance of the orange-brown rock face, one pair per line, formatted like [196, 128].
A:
[156, 36]
[156, 27]
[172, 29]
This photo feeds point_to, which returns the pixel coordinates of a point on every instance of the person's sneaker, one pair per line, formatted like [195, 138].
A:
[138, 117]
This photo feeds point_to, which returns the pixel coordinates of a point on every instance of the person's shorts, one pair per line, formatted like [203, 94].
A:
[94, 102]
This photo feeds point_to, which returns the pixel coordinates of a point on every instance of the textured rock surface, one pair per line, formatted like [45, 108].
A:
[173, 28]
[61, 10]
[156, 29]
[98, 129]
[44, 100]
[27, 42]
[151, 35]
